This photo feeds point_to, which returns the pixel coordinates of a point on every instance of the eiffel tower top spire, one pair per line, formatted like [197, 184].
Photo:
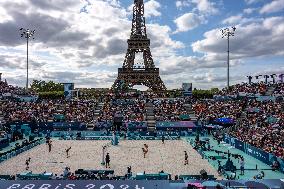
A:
[138, 41]
[138, 22]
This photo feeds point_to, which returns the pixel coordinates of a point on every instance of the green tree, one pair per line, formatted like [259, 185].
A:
[52, 95]
[43, 86]
[214, 90]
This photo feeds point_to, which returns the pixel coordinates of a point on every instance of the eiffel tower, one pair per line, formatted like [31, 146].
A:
[144, 73]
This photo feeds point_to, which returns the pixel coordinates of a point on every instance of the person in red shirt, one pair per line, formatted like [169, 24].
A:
[72, 177]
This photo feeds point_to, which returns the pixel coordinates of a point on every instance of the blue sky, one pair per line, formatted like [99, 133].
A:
[85, 41]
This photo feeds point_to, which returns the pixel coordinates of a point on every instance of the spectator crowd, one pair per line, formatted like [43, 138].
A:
[169, 109]
[49, 110]
[253, 88]
[259, 123]
[263, 126]
[10, 89]
[130, 110]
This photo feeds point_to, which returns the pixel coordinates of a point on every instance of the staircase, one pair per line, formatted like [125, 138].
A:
[150, 117]
[270, 91]
[2, 120]
[97, 112]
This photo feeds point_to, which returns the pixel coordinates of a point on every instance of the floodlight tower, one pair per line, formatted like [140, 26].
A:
[227, 32]
[249, 78]
[281, 77]
[266, 78]
[257, 77]
[273, 78]
[27, 33]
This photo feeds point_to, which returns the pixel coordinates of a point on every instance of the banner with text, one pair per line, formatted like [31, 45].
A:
[254, 152]
[139, 184]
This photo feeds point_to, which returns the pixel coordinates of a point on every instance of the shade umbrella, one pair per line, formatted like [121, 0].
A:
[224, 121]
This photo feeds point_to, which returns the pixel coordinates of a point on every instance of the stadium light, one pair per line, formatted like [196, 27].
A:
[249, 78]
[266, 78]
[281, 77]
[257, 77]
[27, 33]
[273, 78]
[228, 32]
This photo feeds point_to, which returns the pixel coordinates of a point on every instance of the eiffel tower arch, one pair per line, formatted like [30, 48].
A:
[146, 74]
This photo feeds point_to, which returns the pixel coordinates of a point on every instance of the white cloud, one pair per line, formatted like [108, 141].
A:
[233, 19]
[249, 2]
[178, 4]
[183, 3]
[249, 10]
[4, 16]
[88, 48]
[248, 41]
[152, 8]
[241, 19]
[206, 7]
[91, 45]
[188, 21]
[274, 6]
[114, 3]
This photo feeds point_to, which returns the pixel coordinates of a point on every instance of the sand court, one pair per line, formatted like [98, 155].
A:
[87, 154]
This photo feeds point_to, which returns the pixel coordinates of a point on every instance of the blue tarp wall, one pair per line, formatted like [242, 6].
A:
[257, 153]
